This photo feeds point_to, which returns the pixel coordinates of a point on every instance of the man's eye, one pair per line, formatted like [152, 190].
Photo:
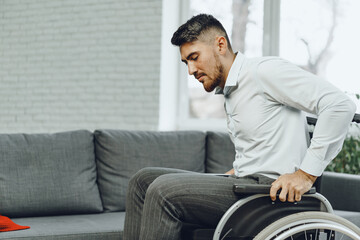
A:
[195, 58]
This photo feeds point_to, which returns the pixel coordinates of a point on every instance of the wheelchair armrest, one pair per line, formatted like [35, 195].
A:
[259, 189]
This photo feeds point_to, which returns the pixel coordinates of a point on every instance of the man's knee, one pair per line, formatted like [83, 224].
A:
[165, 187]
[144, 177]
[147, 175]
[143, 172]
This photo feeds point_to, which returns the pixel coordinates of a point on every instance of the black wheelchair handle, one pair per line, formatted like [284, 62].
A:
[356, 118]
[259, 189]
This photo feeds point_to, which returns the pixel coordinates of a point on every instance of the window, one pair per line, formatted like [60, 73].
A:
[320, 36]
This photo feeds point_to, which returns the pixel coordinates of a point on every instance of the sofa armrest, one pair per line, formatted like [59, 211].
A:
[342, 190]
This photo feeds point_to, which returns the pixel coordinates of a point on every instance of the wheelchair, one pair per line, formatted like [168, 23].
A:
[256, 216]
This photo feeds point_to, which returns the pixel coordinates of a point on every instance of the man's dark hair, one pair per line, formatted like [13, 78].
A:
[195, 26]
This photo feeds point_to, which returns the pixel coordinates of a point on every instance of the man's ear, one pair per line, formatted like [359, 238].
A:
[221, 44]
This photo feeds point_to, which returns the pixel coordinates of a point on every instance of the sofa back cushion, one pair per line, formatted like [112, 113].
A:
[48, 174]
[120, 154]
[220, 152]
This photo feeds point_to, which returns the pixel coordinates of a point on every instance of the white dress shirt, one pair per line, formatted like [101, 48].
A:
[264, 100]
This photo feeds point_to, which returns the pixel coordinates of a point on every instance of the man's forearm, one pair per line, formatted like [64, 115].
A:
[329, 134]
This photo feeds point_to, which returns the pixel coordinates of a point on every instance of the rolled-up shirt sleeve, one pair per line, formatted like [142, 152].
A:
[287, 84]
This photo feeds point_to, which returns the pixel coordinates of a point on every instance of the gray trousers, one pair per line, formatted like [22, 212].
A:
[160, 200]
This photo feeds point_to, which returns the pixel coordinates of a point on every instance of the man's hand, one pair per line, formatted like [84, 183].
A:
[230, 172]
[292, 186]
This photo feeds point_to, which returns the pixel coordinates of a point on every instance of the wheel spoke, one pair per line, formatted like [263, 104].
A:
[342, 237]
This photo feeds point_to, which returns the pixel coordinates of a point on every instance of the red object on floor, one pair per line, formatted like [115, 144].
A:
[7, 225]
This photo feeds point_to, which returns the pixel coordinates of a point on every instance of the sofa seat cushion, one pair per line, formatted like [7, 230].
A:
[353, 217]
[220, 152]
[48, 174]
[77, 227]
[120, 154]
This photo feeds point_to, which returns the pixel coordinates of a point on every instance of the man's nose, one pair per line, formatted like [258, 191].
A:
[192, 69]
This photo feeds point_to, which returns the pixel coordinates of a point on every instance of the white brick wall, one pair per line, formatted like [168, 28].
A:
[79, 64]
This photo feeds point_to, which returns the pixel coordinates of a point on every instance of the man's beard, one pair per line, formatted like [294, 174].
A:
[219, 76]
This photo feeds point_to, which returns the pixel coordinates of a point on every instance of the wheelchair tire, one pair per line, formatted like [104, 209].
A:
[299, 225]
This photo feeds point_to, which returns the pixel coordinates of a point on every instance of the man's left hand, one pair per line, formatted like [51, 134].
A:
[292, 186]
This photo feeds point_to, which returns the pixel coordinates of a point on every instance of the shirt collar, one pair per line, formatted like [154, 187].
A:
[232, 78]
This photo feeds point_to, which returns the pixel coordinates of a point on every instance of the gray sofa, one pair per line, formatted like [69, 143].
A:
[72, 185]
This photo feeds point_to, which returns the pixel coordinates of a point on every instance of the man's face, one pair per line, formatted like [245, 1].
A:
[203, 62]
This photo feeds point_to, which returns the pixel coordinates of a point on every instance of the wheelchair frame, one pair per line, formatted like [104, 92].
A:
[224, 226]
[275, 220]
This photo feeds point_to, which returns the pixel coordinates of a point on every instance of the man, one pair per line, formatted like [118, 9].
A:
[264, 100]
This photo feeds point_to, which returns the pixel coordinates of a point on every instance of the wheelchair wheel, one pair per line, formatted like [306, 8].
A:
[310, 225]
